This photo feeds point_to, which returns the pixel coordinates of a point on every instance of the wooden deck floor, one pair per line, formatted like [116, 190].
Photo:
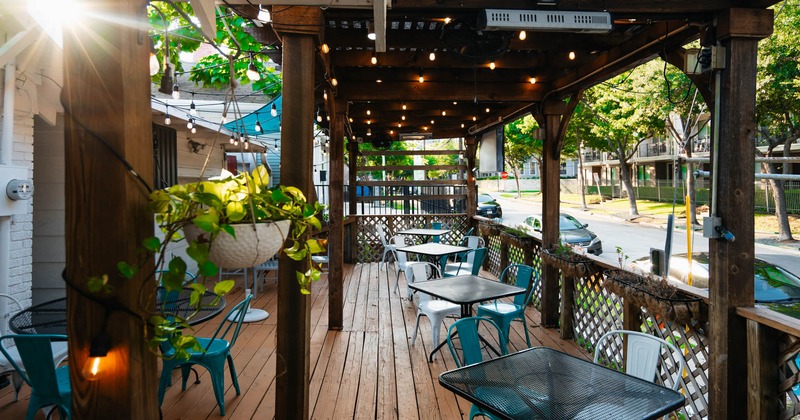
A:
[368, 370]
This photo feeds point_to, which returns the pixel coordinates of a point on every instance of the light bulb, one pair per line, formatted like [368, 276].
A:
[404, 106]
[328, 117]
[432, 56]
[325, 95]
[444, 113]
[93, 369]
[462, 125]
[252, 72]
[325, 48]
[193, 108]
[421, 79]
[369, 132]
[264, 15]
[369, 122]
[533, 80]
[319, 117]
[399, 125]
[246, 145]
[492, 65]
[334, 82]
[235, 142]
[371, 31]
[522, 35]
[276, 145]
[176, 92]
[167, 120]
[572, 55]
[231, 140]
[487, 109]
[432, 122]
[447, 20]
[350, 119]
[154, 66]
[474, 118]
[273, 111]
[194, 130]
[258, 126]
[369, 112]
[391, 131]
[403, 117]
[373, 60]
[190, 123]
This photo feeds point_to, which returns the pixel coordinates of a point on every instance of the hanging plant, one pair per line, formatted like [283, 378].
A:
[656, 295]
[565, 259]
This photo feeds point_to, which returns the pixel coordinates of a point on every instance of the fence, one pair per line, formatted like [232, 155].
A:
[401, 199]
[664, 191]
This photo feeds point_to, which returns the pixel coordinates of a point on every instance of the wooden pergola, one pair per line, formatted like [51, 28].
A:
[477, 81]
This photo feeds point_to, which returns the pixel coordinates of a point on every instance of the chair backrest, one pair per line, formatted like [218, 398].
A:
[233, 320]
[524, 276]
[436, 225]
[380, 230]
[643, 354]
[4, 328]
[467, 329]
[475, 257]
[37, 356]
[473, 242]
[418, 272]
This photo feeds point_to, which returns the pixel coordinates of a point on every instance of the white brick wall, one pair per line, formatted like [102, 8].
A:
[21, 247]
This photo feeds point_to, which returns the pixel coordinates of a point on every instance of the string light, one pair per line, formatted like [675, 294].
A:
[167, 119]
[571, 55]
[319, 117]
[231, 140]
[462, 125]
[373, 59]
[252, 71]
[522, 35]
[399, 125]
[447, 20]
[274, 110]
[276, 145]
[404, 106]
[334, 82]
[176, 91]
[193, 107]
[371, 31]
[533, 80]
[492, 65]
[474, 118]
[194, 129]
[264, 15]
[224, 117]
[258, 127]
[369, 131]
[432, 56]
[325, 95]
[421, 78]
[403, 117]
[444, 113]
[325, 48]
[350, 119]
[190, 123]
[369, 112]
[432, 122]
[98, 351]
[487, 109]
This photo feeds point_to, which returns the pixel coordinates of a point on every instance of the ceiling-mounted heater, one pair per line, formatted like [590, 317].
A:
[546, 21]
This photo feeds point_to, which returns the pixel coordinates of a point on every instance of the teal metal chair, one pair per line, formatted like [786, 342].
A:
[436, 225]
[49, 384]
[503, 313]
[466, 329]
[215, 351]
[470, 263]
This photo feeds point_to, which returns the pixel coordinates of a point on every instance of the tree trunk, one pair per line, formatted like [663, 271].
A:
[784, 229]
[690, 187]
[625, 178]
[516, 178]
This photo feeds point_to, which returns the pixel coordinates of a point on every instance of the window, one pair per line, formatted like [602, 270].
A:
[165, 156]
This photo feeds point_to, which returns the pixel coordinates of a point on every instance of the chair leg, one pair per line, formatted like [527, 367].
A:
[186, 370]
[525, 327]
[234, 378]
[16, 379]
[397, 282]
[416, 328]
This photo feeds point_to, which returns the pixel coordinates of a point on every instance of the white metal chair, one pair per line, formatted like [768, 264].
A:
[269, 269]
[388, 249]
[400, 257]
[59, 349]
[643, 354]
[435, 310]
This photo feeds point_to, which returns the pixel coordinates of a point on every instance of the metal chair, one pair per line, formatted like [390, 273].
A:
[436, 310]
[268, 266]
[381, 231]
[469, 264]
[400, 258]
[503, 313]
[436, 225]
[643, 354]
[215, 351]
[467, 333]
[58, 348]
[49, 384]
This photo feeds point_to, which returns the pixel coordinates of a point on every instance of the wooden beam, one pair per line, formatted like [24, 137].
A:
[471, 143]
[367, 199]
[411, 168]
[418, 183]
[448, 91]
[296, 27]
[106, 130]
[411, 152]
[731, 263]
[336, 234]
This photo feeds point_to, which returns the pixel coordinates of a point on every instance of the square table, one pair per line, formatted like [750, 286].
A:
[464, 291]
[424, 232]
[542, 383]
[434, 250]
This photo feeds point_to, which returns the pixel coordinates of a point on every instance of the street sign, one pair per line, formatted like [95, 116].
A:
[504, 175]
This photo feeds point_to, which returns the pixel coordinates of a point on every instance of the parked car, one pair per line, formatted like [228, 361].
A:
[571, 230]
[488, 207]
[774, 286]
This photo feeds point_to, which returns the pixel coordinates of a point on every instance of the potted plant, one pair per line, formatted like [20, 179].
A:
[656, 295]
[563, 257]
[229, 221]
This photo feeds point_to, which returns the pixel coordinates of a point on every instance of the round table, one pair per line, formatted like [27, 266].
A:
[51, 317]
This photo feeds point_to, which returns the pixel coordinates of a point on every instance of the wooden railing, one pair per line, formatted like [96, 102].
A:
[588, 310]
[367, 246]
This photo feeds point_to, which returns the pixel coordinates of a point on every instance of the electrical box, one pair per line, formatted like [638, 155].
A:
[20, 189]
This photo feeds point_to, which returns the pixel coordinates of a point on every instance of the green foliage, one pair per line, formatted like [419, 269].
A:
[522, 143]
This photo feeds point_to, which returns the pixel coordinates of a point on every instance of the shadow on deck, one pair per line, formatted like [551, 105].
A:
[369, 369]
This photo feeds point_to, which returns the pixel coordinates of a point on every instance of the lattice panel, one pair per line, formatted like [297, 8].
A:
[788, 376]
[694, 345]
[369, 247]
[596, 311]
[493, 256]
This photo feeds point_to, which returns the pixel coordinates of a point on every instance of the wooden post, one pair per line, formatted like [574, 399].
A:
[352, 149]
[472, 188]
[762, 346]
[504, 245]
[731, 263]
[567, 307]
[336, 235]
[296, 26]
[551, 177]
[106, 98]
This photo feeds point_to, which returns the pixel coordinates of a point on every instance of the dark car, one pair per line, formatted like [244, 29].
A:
[774, 286]
[488, 207]
[571, 230]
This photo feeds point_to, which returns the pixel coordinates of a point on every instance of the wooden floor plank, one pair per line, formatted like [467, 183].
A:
[368, 370]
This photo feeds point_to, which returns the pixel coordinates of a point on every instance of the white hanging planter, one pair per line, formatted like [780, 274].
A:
[251, 246]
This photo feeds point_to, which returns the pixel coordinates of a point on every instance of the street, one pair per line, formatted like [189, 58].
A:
[636, 240]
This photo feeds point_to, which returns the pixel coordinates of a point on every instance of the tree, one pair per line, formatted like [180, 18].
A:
[522, 145]
[626, 111]
[579, 132]
[778, 102]
[169, 23]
